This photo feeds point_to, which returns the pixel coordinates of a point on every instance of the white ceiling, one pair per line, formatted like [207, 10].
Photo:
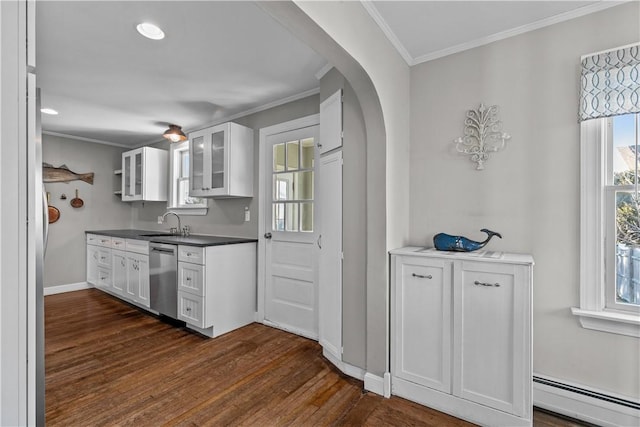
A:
[426, 30]
[110, 84]
[222, 59]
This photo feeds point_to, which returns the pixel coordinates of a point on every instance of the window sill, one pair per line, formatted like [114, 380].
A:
[188, 211]
[608, 321]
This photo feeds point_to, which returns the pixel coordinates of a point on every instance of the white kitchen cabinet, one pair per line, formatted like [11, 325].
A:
[137, 288]
[144, 174]
[118, 271]
[221, 161]
[119, 266]
[217, 287]
[461, 333]
[99, 261]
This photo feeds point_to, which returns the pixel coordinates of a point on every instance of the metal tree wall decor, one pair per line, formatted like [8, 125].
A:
[482, 134]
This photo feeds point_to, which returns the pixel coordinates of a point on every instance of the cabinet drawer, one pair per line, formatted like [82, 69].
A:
[104, 277]
[95, 239]
[192, 254]
[190, 309]
[191, 278]
[138, 246]
[118, 243]
[104, 258]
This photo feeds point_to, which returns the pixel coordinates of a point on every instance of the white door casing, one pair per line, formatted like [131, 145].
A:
[287, 259]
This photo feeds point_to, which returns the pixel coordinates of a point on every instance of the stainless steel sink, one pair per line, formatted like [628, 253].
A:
[157, 234]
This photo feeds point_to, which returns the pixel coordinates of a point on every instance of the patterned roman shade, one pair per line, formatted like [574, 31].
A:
[610, 83]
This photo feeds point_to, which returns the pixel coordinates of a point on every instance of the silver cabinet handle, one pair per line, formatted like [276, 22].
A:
[420, 276]
[122, 262]
[188, 279]
[496, 285]
[188, 309]
[320, 241]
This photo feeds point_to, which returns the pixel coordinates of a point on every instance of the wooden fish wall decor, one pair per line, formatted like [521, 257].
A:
[64, 174]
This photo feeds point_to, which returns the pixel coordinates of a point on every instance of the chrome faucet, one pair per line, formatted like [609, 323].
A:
[164, 216]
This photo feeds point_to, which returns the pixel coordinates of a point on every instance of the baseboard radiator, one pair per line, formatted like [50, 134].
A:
[593, 406]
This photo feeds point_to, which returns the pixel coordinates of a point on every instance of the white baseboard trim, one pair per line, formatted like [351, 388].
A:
[570, 399]
[347, 369]
[59, 289]
[378, 385]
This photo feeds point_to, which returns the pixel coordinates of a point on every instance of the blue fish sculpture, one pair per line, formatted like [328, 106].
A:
[447, 242]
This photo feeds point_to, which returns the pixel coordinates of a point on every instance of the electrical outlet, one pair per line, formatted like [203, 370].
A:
[247, 214]
[160, 220]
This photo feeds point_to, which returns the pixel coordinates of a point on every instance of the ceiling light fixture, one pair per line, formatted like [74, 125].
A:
[150, 31]
[50, 111]
[175, 134]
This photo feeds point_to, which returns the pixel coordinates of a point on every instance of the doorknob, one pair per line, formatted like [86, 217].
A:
[267, 235]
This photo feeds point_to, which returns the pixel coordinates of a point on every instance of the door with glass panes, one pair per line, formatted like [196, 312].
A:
[291, 233]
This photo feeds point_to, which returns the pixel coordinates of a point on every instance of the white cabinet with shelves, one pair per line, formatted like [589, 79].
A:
[217, 287]
[144, 174]
[221, 161]
[461, 334]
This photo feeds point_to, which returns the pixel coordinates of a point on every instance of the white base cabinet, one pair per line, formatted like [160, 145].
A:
[119, 266]
[217, 287]
[461, 333]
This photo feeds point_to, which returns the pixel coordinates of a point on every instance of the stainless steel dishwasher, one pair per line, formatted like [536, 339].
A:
[163, 279]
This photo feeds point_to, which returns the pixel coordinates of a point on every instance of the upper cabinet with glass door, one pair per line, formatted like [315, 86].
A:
[144, 175]
[221, 160]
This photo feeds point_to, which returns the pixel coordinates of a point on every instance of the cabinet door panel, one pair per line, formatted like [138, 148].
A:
[196, 167]
[143, 280]
[92, 264]
[490, 345]
[422, 323]
[133, 278]
[119, 271]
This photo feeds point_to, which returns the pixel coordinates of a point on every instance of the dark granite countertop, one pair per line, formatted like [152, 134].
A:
[160, 237]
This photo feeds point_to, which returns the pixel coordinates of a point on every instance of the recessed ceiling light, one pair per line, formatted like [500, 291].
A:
[150, 31]
[49, 111]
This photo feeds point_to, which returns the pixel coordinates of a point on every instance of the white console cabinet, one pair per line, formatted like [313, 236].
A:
[461, 339]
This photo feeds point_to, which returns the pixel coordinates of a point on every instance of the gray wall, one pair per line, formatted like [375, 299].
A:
[530, 192]
[65, 256]
[226, 216]
[354, 225]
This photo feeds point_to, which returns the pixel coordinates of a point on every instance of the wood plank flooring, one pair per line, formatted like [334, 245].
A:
[108, 364]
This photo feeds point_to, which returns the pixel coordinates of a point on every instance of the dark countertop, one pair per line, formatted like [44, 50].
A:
[160, 237]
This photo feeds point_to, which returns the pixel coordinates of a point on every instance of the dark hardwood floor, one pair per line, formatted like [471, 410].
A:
[108, 363]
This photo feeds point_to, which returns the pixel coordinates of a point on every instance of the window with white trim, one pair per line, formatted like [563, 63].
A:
[610, 199]
[179, 199]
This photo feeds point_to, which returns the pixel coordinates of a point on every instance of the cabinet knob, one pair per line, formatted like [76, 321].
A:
[188, 309]
[421, 276]
[495, 285]
[188, 279]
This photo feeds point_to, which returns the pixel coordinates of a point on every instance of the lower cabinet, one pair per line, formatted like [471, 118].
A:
[461, 334]
[119, 266]
[217, 287]
[119, 271]
[137, 285]
[216, 284]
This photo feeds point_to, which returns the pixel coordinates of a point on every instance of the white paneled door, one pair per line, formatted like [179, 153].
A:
[290, 231]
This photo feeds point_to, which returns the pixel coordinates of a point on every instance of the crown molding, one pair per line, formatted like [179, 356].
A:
[556, 19]
[388, 32]
[81, 138]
